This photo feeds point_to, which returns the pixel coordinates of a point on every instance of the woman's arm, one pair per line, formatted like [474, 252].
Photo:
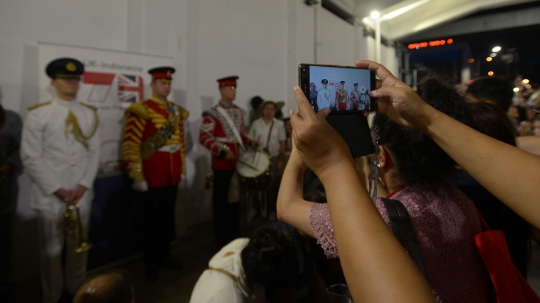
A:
[509, 173]
[376, 266]
[291, 206]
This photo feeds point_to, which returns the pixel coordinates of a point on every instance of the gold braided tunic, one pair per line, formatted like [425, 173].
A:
[143, 158]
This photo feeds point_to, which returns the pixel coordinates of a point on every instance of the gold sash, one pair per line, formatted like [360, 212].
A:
[160, 137]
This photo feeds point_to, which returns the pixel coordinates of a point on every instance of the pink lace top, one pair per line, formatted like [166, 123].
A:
[445, 222]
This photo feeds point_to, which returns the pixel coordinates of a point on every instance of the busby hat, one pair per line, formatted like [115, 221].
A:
[65, 68]
[228, 81]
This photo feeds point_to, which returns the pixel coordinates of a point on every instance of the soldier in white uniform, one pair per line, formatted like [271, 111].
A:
[325, 98]
[60, 152]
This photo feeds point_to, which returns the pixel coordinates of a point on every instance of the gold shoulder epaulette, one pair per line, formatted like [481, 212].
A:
[137, 109]
[184, 113]
[31, 107]
[89, 106]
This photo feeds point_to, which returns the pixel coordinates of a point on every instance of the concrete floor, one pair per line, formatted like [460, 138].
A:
[195, 249]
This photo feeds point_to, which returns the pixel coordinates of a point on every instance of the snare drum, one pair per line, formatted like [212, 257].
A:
[254, 168]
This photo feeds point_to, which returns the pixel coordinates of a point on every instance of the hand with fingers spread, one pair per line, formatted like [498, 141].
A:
[320, 145]
[396, 99]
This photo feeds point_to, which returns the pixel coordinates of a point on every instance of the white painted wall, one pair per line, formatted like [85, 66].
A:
[240, 37]
[261, 41]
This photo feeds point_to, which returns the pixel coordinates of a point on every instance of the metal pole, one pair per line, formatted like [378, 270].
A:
[316, 41]
[378, 40]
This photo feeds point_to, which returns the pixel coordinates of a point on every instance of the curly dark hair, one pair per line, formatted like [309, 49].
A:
[418, 159]
[270, 257]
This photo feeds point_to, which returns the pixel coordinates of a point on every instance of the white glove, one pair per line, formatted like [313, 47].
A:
[141, 186]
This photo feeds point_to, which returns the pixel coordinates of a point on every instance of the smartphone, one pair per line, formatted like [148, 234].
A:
[343, 89]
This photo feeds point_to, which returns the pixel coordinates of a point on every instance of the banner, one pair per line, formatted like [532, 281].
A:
[112, 80]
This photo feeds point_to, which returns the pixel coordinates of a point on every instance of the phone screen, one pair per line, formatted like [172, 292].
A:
[342, 89]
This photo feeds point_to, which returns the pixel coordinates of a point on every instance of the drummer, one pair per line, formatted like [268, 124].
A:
[223, 132]
[271, 133]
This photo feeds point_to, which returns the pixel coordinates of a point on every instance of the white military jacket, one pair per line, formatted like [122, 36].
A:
[225, 281]
[53, 157]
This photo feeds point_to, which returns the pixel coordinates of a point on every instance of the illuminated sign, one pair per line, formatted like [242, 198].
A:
[433, 43]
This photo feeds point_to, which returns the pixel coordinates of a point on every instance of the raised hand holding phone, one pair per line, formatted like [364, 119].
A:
[318, 143]
[396, 99]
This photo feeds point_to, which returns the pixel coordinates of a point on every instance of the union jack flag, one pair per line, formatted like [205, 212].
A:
[130, 88]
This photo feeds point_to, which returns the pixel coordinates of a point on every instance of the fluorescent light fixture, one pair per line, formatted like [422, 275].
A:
[403, 10]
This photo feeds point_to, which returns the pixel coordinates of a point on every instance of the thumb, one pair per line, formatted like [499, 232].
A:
[323, 113]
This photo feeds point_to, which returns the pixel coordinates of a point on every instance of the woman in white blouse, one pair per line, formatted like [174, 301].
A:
[271, 133]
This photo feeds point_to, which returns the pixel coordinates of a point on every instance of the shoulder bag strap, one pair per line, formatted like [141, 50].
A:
[401, 224]
[269, 133]
[225, 115]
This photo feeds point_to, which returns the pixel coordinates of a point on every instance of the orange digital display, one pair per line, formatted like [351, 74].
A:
[432, 43]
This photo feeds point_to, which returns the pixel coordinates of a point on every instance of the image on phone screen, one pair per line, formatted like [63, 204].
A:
[341, 89]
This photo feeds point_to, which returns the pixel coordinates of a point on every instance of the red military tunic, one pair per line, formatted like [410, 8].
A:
[164, 167]
[217, 136]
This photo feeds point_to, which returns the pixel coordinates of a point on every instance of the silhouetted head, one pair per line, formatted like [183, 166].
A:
[490, 120]
[270, 257]
[256, 102]
[492, 90]
[111, 287]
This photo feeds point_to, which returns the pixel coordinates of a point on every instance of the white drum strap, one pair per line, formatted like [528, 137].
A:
[225, 115]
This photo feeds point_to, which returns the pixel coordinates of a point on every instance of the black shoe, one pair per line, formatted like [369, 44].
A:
[7, 294]
[175, 264]
[66, 298]
[152, 273]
